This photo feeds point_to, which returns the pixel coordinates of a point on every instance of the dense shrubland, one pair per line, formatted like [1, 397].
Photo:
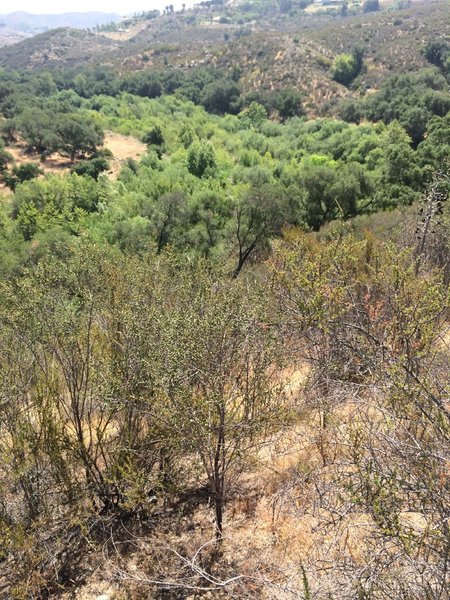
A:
[135, 385]
[150, 326]
[215, 186]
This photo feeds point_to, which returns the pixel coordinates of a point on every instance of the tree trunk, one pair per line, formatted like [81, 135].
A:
[243, 255]
[218, 500]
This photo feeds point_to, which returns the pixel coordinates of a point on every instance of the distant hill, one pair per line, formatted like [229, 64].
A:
[31, 24]
[267, 48]
[10, 36]
[61, 46]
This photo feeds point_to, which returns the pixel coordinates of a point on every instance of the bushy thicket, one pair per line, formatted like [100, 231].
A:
[144, 361]
[134, 382]
[215, 186]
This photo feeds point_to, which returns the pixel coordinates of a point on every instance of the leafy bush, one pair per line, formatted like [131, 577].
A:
[201, 159]
[346, 67]
[91, 168]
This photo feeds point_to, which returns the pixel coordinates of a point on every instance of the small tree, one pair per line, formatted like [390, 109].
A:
[201, 159]
[91, 168]
[436, 52]
[219, 387]
[346, 67]
[21, 173]
[256, 113]
[258, 216]
[168, 212]
[154, 137]
[5, 158]
[288, 103]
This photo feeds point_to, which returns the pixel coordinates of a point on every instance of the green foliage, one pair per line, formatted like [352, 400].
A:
[21, 173]
[154, 137]
[186, 136]
[145, 84]
[92, 168]
[38, 130]
[5, 158]
[258, 217]
[222, 96]
[54, 201]
[187, 192]
[288, 103]
[436, 52]
[8, 129]
[346, 67]
[78, 134]
[201, 159]
[412, 100]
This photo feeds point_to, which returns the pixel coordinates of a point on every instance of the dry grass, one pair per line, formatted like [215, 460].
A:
[273, 523]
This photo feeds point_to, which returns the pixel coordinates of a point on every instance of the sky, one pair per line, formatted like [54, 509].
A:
[62, 6]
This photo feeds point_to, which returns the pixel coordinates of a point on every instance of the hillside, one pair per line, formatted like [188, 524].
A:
[58, 47]
[225, 307]
[269, 49]
[10, 36]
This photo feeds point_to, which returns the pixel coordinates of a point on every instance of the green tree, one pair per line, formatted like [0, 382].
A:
[9, 130]
[288, 103]
[220, 389]
[168, 213]
[201, 159]
[186, 136]
[78, 134]
[256, 113]
[399, 160]
[21, 173]
[5, 158]
[346, 67]
[222, 96]
[436, 52]
[91, 168]
[38, 130]
[258, 216]
[154, 137]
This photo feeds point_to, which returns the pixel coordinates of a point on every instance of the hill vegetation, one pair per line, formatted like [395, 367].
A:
[18, 26]
[269, 49]
[225, 366]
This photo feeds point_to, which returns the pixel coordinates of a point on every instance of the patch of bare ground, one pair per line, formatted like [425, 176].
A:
[125, 34]
[123, 147]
